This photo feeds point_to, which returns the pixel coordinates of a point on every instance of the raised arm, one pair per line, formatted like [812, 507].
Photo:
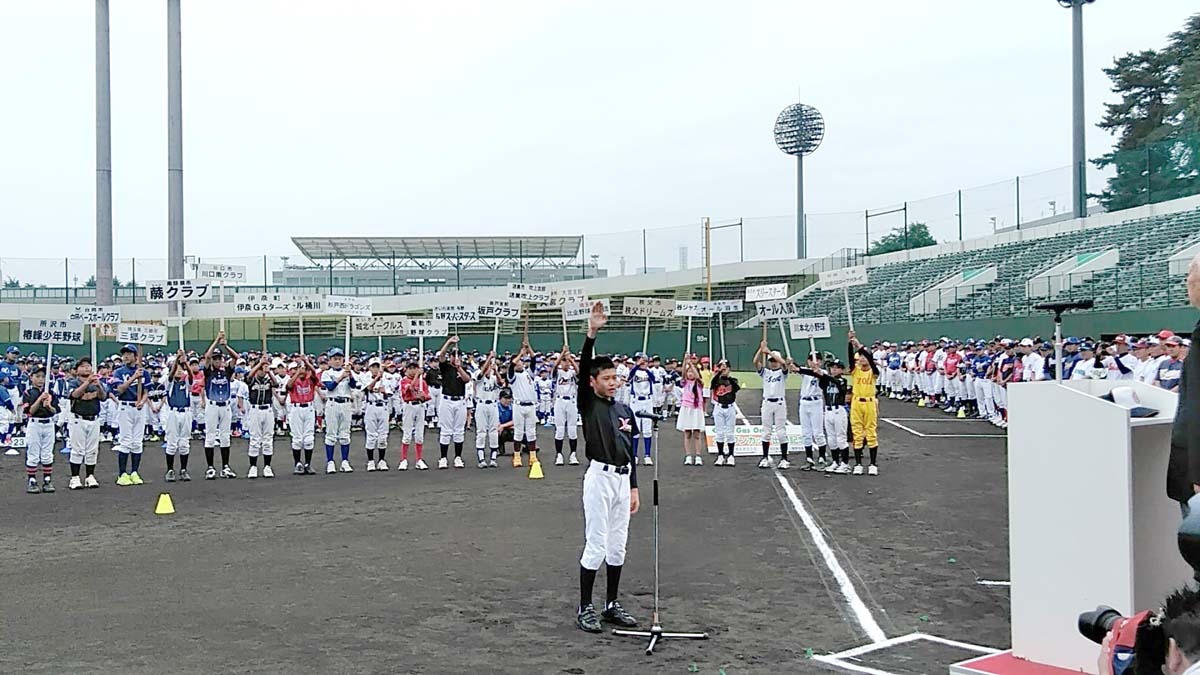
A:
[596, 321]
[452, 340]
[212, 348]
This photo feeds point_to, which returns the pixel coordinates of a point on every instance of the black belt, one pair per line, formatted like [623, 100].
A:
[643, 398]
[180, 409]
[524, 403]
[220, 404]
[810, 398]
[380, 404]
[619, 470]
[566, 398]
[724, 405]
[127, 402]
[340, 399]
[866, 400]
[261, 406]
[414, 402]
[453, 398]
[772, 400]
[487, 402]
[831, 408]
[88, 418]
[301, 405]
[43, 420]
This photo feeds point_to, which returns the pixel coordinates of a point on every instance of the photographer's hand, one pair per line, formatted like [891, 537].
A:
[1104, 665]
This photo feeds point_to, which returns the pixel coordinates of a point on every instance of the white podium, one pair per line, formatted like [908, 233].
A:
[1089, 519]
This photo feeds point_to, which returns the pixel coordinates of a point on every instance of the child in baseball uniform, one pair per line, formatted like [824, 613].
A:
[42, 405]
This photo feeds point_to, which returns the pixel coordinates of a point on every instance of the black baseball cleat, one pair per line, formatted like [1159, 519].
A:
[615, 613]
[588, 620]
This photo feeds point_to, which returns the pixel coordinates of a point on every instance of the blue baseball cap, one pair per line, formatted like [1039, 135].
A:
[1071, 341]
[129, 348]
[13, 349]
[336, 351]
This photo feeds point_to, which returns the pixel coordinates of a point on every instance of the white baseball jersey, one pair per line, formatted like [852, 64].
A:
[773, 382]
[523, 387]
[343, 388]
[487, 387]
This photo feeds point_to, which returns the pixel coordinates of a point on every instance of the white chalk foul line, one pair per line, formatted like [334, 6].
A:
[914, 432]
[861, 614]
[985, 582]
[838, 660]
[853, 667]
[894, 423]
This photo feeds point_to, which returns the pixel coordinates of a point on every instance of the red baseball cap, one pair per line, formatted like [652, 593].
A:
[1164, 334]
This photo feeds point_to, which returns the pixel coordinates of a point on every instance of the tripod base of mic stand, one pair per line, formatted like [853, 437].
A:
[657, 633]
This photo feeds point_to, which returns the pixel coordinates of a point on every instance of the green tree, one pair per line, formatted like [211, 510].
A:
[898, 239]
[12, 283]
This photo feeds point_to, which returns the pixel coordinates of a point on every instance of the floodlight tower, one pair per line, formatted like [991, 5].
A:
[1078, 158]
[798, 131]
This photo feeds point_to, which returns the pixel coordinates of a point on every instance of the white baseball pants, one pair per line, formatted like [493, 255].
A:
[260, 424]
[723, 420]
[302, 424]
[337, 423]
[178, 425]
[412, 423]
[132, 429]
[836, 421]
[812, 423]
[375, 424]
[774, 420]
[566, 418]
[39, 442]
[605, 516]
[216, 430]
[524, 423]
[487, 419]
[452, 421]
[85, 441]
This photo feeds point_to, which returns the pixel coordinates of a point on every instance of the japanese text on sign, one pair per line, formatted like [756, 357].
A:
[768, 292]
[271, 304]
[562, 296]
[812, 327]
[726, 306]
[583, 309]
[499, 309]
[90, 315]
[347, 305]
[142, 334]
[427, 328]
[843, 278]
[234, 273]
[51, 331]
[653, 308]
[393, 325]
[456, 313]
[777, 309]
[693, 308]
[177, 290]
[535, 293]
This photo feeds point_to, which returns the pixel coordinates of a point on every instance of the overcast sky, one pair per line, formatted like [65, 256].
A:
[505, 118]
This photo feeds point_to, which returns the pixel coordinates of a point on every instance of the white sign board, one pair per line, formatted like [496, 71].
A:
[747, 439]
[654, 308]
[769, 292]
[387, 325]
[560, 297]
[230, 273]
[456, 314]
[51, 332]
[427, 328]
[142, 334]
[777, 309]
[693, 308]
[178, 290]
[260, 304]
[500, 309]
[843, 278]
[812, 327]
[347, 305]
[535, 293]
[91, 314]
[726, 306]
[583, 309]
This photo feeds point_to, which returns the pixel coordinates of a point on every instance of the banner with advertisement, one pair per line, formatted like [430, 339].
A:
[747, 440]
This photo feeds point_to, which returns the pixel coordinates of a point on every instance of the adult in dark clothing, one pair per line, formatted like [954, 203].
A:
[1183, 468]
[610, 492]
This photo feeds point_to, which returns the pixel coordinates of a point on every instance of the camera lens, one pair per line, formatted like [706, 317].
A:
[1095, 625]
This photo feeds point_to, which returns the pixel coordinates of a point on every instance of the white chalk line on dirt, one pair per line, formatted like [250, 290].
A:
[914, 432]
[861, 614]
[838, 660]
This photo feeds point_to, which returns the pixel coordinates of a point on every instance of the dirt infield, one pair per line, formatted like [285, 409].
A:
[475, 571]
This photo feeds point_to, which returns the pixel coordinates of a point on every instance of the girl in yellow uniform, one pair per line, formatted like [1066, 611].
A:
[864, 408]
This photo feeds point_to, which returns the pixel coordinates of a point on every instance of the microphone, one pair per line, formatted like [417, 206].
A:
[1060, 307]
[647, 415]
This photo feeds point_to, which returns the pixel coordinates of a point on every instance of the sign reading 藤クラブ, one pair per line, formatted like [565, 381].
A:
[456, 313]
[177, 290]
[777, 309]
[812, 327]
[768, 292]
[348, 305]
[843, 278]
[51, 331]
[230, 273]
[142, 334]
[693, 308]
[427, 328]
[535, 293]
[651, 308]
[500, 309]
[384, 325]
[575, 311]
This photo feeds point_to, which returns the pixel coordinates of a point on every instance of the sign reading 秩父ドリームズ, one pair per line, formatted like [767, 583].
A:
[650, 308]
[178, 290]
[456, 313]
[51, 332]
[142, 334]
[812, 327]
[383, 325]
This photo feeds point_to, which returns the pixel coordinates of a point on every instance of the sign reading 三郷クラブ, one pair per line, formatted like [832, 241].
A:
[177, 290]
[51, 331]
[142, 334]
[811, 327]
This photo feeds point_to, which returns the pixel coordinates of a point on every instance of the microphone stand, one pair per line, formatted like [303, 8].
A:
[1058, 308]
[656, 631]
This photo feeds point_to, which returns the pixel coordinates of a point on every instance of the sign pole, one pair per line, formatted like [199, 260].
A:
[300, 316]
[646, 335]
[380, 348]
[812, 346]
[687, 348]
[262, 331]
[94, 334]
[179, 316]
[566, 341]
[849, 316]
[421, 350]
[710, 349]
[495, 334]
[222, 291]
[347, 348]
[49, 360]
[721, 327]
[787, 347]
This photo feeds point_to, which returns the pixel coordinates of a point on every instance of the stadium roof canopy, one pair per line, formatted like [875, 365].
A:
[319, 249]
